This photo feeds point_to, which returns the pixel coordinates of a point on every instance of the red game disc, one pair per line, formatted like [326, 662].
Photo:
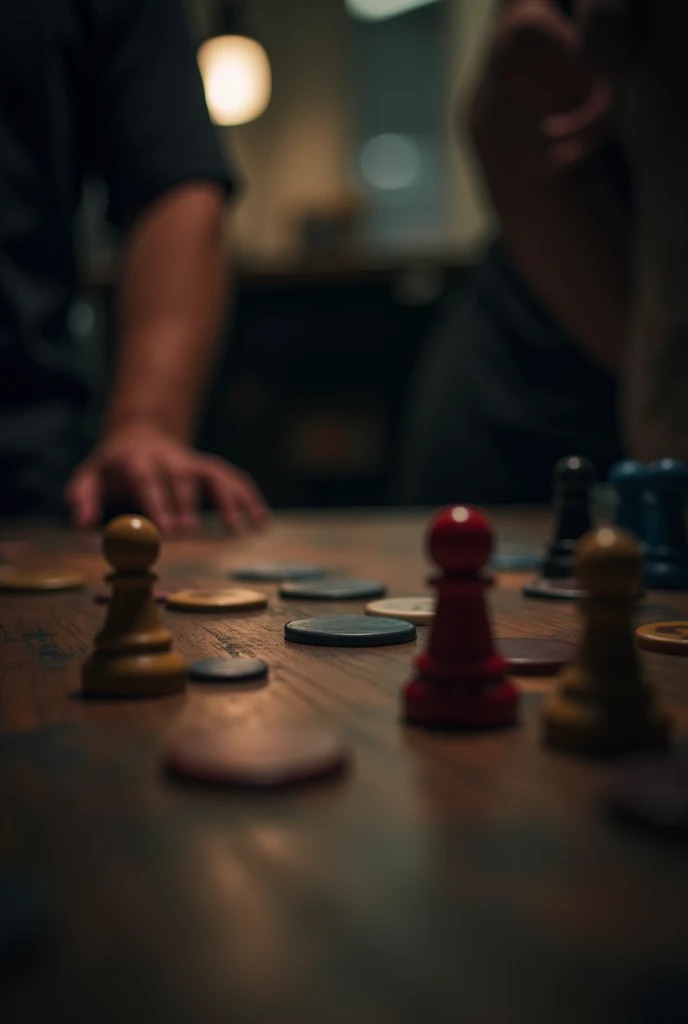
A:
[255, 757]
[536, 656]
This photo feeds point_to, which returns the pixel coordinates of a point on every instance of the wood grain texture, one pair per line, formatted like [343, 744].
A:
[448, 878]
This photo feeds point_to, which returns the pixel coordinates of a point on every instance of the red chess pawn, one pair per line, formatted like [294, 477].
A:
[460, 680]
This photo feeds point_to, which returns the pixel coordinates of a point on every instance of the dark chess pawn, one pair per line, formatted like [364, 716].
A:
[133, 656]
[666, 553]
[603, 705]
[461, 681]
[573, 481]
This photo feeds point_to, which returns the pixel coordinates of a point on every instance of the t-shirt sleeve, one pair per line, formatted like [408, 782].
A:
[151, 126]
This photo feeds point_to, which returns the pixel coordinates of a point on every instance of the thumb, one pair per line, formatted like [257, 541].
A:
[83, 496]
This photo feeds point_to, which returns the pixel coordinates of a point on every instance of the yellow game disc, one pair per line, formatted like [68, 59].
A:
[418, 610]
[234, 599]
[41, 579]
[665, 637]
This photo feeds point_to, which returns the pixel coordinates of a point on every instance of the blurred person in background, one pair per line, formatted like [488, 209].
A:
[111, 85]
[525, 361]
[641, 45]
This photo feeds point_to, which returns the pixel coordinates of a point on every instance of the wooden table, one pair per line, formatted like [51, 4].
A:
[448, 878]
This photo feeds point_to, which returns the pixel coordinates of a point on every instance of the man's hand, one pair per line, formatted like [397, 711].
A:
[538, 95]
[165, 478]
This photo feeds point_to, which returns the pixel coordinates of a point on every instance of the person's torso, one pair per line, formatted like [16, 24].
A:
[42, 97]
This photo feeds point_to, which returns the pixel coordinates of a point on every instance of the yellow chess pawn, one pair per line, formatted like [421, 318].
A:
[603, 705]
[133, 656]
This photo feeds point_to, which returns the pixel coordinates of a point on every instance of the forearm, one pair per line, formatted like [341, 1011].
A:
[569, 235]
[172, 303]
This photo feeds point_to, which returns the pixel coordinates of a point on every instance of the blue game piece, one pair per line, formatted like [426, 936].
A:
[275, 572]
[350, 631]
[333, 590]
[666, 555]
[629, 479]
[228, 670]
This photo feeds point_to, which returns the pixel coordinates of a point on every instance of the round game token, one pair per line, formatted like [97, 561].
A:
[332, 589]
[349, 631]
[534, 656]
[418, 610]
[652, 793]
[516, 559]
[255, 757]
[275, 572]
[565, 589]
[234, 599]
[227, 670]
[665, 637]
[41, 579]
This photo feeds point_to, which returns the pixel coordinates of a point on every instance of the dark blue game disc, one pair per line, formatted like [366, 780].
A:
[228, 670]
[350, 631]
[333, 590]
[517, 560]
[275, 572]
[565, 589]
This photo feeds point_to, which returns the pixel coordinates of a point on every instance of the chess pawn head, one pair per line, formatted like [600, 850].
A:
[608, 564]
[131, 543]
[460, 540]
[629, 475]
[629, 479]
[573, 473]
[669, 476]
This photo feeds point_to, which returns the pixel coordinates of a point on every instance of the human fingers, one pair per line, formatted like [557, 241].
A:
[184, 487]
[237, 498]
[575, 136]
[148, 488]
[84, 496]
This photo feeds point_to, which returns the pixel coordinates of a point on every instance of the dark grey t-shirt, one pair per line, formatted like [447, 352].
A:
[104, 85]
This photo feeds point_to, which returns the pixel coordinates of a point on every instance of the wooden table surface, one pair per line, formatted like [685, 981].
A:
[447, 878]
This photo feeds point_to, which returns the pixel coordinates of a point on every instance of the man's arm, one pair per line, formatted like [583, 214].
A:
[148, 126]
[537, 118]
[172, 299]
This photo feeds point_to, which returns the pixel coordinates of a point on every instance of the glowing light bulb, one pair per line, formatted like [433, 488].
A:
[237, 79]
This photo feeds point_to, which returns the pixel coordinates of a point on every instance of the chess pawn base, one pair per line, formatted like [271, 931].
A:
[558, 564]
[459, 705]
[574, 720]
[152, 674]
